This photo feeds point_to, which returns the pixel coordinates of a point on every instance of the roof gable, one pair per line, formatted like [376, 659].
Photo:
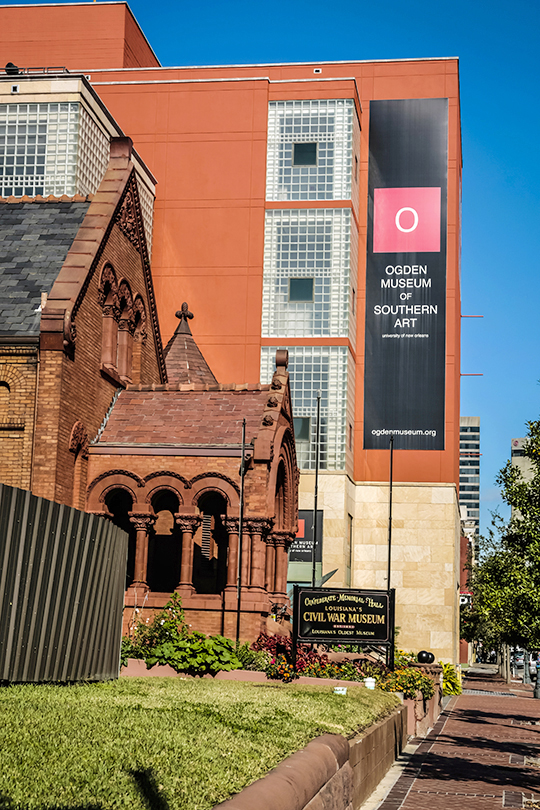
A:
[115, 202]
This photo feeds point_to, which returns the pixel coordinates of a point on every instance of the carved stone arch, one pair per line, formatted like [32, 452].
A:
[112, 488]
[12, 392]
[125, 302]
[126, 328]
[120, 479]
[167, 474]
[285, 457]
[139, 319]
[5, 397]
[78, 445]
[222, 477]
[162, 487]
[206, 491]
[108, 287]
[215, 483]
[78, 440]
[11, 376]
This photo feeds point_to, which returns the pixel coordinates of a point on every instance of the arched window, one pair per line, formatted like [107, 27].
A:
[78, 445]
[119, 502]
[165, 544]
[126, 327]
[5, 392]
[108, 299]
[280, 498]
[210, 545]
[139, 338]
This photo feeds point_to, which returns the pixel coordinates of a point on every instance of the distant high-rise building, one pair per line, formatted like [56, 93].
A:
[519, 459]
[469, 473]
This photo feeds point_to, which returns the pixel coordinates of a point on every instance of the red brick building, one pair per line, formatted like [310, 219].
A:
[166, 467]
[78, 321]
[94, 414]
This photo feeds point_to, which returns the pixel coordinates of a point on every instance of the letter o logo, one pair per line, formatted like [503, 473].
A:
[415, 222]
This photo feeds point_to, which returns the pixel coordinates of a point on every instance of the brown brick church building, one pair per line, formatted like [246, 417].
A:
[166, 466]
[95, 414]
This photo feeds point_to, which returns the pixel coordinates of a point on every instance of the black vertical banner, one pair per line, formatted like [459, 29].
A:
[404, 381]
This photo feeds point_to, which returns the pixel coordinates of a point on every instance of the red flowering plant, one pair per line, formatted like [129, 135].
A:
[313, 664]
[279, 669]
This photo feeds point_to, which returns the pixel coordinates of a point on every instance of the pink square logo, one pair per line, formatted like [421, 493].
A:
[407, 220]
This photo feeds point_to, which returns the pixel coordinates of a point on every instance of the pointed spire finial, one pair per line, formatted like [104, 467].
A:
[183, 314]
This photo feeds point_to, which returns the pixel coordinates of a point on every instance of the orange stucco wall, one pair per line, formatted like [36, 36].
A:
[101, 35]
[202, 132]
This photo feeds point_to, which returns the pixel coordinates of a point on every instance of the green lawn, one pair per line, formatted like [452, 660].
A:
[160, 743]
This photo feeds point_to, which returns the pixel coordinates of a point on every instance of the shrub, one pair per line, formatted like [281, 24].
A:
[196, 654]
[253, 660]
[167, 640]
[408, 680]
[402, 658]
[451, 682]
[169, 625]
[373, 669]
[127, 651]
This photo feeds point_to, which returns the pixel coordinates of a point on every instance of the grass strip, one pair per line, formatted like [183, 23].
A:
[163, 743]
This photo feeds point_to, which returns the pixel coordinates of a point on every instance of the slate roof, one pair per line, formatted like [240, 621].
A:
[34, 240]
[187, 417]
[183, 358]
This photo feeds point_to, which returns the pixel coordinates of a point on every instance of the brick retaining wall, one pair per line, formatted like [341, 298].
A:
[330, 773]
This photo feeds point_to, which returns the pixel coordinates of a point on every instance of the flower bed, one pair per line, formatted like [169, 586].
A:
[167, 641]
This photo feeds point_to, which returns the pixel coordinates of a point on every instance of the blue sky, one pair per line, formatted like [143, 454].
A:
[497, 44]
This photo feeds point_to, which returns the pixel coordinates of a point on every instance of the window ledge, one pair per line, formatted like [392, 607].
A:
[111, 373]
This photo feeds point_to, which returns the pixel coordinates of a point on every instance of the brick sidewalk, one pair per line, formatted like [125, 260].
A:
[476, 757]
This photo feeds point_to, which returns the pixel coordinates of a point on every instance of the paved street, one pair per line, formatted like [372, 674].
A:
[480, 755]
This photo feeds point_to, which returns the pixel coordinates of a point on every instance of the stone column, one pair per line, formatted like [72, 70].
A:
[231, 525]
[246, 549]
[126, 327]
[270, 567]
[257, 527]
[109, 335]
[283, 540]
[188, 526]
[142, 523]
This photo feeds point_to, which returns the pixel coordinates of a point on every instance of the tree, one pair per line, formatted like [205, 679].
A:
[506, 580]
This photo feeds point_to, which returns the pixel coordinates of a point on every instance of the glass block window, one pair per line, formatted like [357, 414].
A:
[147, 209]
[310, 150]
[312, 368]
[304, 247]
[94, 151]
[50, 148]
